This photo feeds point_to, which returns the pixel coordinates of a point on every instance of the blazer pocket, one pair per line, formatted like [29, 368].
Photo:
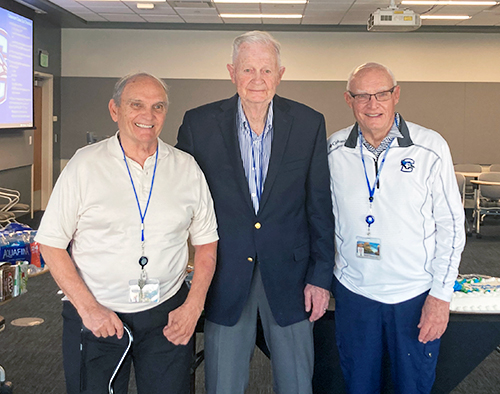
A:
[301, 253]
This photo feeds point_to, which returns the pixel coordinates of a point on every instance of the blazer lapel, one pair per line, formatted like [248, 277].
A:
[227, 123]
[282, 124]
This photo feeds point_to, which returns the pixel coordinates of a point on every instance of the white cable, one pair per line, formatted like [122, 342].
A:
[130, 340]
[2, 374]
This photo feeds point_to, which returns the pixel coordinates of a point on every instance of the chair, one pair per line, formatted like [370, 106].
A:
[6, 218]
[467, 170]
[11, 202]
[495, 168]
[461, 188]
[487, 199]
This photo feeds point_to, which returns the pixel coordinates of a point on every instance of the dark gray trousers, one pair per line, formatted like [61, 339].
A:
[228, 350]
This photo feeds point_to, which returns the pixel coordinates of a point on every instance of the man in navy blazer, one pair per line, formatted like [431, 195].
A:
[265, 160]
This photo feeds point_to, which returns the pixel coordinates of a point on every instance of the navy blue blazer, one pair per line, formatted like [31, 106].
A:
[292, 235]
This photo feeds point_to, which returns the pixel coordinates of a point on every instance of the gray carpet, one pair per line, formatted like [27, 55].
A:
[31, 356]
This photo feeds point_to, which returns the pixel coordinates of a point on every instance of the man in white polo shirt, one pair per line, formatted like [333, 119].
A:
[399, 226]
[127, 206]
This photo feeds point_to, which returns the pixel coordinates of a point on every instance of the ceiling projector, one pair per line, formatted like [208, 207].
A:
[393, 19]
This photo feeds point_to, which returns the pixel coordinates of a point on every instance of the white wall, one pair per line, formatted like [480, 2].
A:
[444, 57]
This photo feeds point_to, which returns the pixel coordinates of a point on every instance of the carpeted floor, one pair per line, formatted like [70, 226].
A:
[31, 356]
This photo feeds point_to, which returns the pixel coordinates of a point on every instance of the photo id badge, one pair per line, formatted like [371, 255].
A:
[368, 248]
[148, 292]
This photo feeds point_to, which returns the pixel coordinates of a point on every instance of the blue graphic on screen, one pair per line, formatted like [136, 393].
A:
[16, 70]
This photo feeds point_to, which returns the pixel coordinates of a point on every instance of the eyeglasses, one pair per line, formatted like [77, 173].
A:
[380, 96]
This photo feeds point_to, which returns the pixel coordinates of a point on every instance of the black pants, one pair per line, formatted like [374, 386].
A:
[160, 367]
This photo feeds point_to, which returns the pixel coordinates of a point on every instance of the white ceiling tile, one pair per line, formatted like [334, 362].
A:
[90, 17]
[76, 7]
[107, 7]
[493, 12]
[419, 9]
[365, 7]
[352, 12]
[355, 18]
[238, 8]
[165, 8]
[191, 4]
[282, 8]
[202, 19]
[196, 12]
[373, 3]
[163, 18]
[112, 10]
[459, 10]
[481, 19]
[160, 9]
[63, 3]
[325, 14]
[321, 20]
[327, 3]
[333, 8]
[102, 3]
[470, 22]
[122, 17]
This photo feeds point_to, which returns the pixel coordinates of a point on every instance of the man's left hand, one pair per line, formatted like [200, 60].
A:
[434, 319]
[181, 324]
[316, 299]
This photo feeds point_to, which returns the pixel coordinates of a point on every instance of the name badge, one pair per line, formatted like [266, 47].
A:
[148, 292]
[368, 248]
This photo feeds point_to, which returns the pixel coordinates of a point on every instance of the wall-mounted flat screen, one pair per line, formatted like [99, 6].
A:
[16, 71]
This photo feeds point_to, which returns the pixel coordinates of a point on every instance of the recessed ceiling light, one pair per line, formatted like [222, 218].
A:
[250, 16]
[458, 17]
[451, 2]
[261, 1]
[145, 6]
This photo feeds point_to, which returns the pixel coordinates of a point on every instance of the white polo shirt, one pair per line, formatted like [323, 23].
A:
[93, 206]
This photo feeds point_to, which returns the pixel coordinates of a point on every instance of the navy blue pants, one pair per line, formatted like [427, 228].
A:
[160, 366]
[368, 330]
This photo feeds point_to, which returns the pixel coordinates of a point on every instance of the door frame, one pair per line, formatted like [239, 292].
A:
[46, 81]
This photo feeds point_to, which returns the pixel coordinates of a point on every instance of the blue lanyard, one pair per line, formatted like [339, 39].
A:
[258, 186]
[371, 190]
[143, 216]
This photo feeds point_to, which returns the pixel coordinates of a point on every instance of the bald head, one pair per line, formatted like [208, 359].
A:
[124, 81]
[358, 71]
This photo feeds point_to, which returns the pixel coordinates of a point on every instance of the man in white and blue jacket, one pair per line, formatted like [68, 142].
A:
[399, 227]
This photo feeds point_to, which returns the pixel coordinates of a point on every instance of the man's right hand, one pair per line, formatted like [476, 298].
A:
[102, 321]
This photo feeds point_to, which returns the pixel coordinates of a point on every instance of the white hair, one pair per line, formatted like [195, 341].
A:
[256, 37]
[368, 66]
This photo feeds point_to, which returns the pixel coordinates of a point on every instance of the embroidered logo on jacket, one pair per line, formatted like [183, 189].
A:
[407, 165]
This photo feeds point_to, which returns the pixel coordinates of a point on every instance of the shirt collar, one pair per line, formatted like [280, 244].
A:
[393, 132]
[116, 151]
[244, 125]
[404, 140]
